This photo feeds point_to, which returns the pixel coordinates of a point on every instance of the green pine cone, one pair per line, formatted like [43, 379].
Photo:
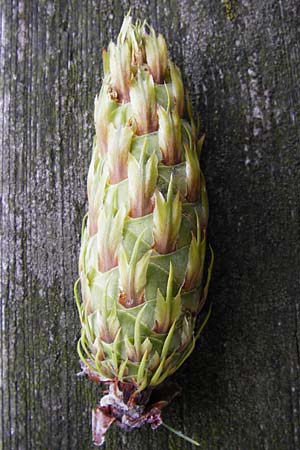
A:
[143, 244]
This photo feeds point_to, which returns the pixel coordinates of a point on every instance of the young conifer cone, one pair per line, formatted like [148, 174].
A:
[144, 241]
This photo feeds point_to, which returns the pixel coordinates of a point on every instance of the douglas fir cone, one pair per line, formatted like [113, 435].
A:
[144, 239]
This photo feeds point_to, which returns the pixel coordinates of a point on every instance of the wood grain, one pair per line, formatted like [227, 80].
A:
[241, 62]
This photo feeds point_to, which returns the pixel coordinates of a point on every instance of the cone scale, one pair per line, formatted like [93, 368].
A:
[143, 246]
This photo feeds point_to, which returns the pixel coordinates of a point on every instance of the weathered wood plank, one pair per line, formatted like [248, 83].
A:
[241, 62]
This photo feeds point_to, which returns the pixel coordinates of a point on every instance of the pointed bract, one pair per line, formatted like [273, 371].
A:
[119, 144]
[105, 105]
[167, 309]
[120, 69]
[132, 276]
[156, 55]
[109, 236]
[166, 220]
[195, 265]
[143, 102]
[192, 174]
[178, 89]
[169, 136]
[142, 180]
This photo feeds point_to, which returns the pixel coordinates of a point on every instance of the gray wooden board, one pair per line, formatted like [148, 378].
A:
[240, 61]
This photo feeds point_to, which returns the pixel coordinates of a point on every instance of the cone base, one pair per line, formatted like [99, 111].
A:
[124, 405]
